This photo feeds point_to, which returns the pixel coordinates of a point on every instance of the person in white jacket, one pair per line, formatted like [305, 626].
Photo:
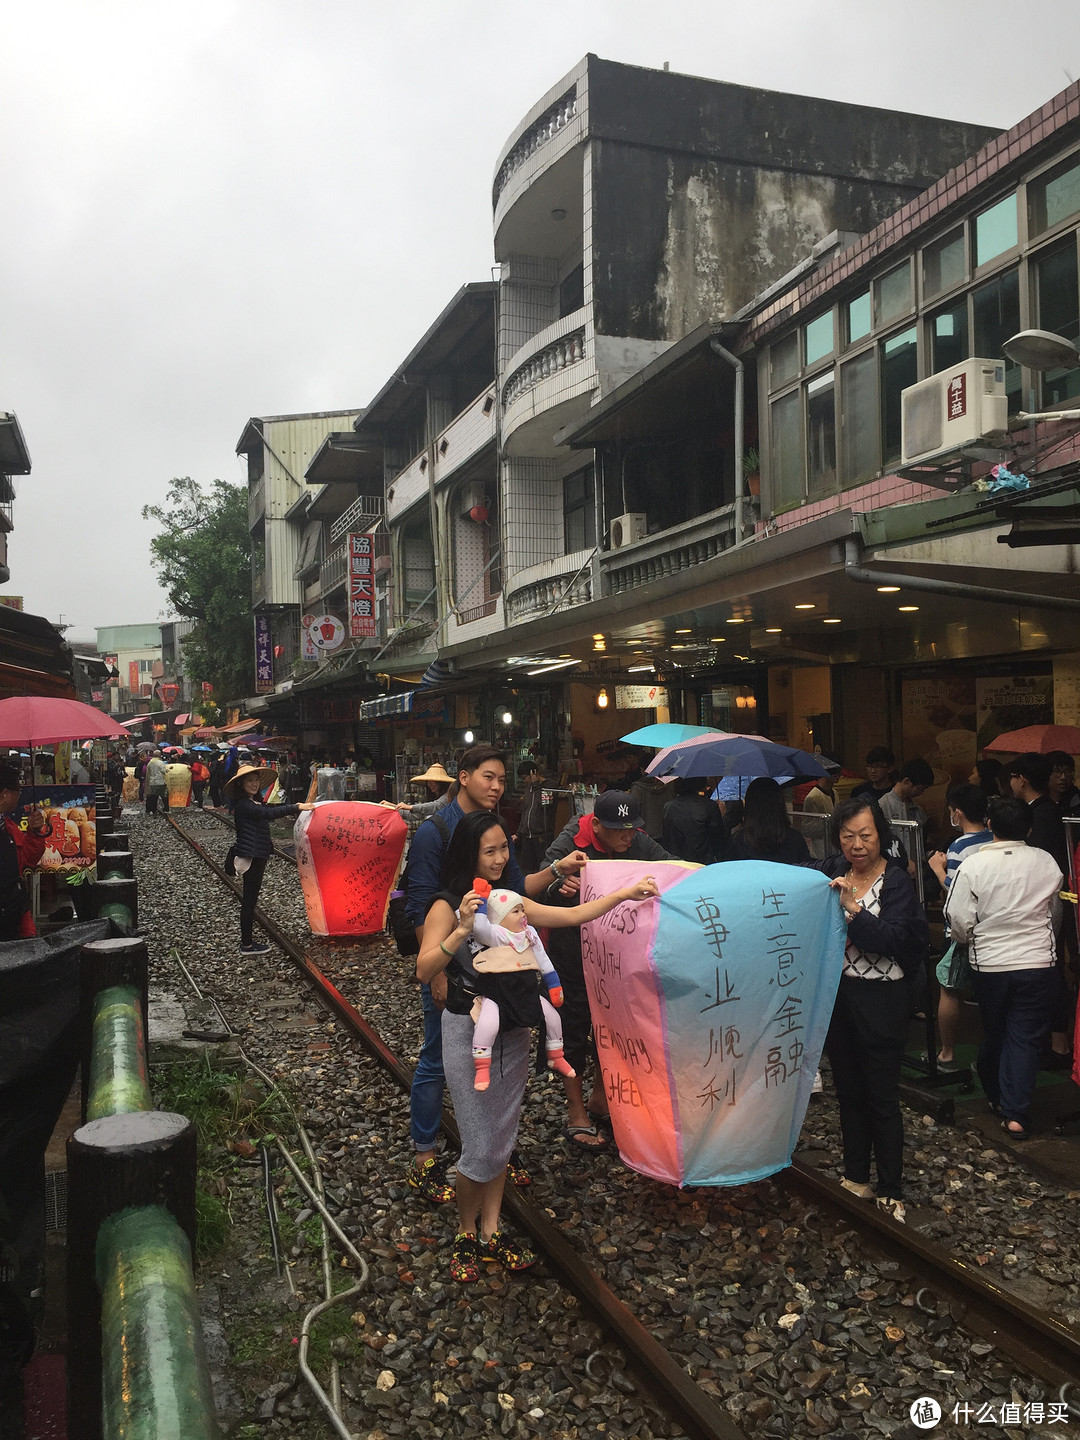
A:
[1004, 902]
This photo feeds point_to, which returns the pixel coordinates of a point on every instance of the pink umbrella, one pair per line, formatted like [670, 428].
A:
[44, 720]
[1038, 738]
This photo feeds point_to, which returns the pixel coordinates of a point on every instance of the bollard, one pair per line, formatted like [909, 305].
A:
[121, 1161]
[118, 840]
[155, 1376]
[115, 864]
[119, 1080]
[116, 900]
[121, 960]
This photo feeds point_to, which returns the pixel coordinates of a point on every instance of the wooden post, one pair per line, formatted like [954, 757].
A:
[147, 1158]
[118, 840]
[116, 900]
[102, 964]
[115, 864]
[119, 1079]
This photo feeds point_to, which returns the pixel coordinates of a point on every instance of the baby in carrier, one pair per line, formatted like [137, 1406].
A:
[506, 970]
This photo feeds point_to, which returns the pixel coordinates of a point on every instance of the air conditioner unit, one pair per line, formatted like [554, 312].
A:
[628, 530]
[951, 409]
[470, 495]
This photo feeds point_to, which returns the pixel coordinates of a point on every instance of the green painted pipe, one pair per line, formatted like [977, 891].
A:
[118, 913]
[155, 1379]
[119, 1082]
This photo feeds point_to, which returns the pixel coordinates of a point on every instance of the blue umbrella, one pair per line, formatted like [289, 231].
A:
[725, 754]
[733, 787]
[660, 736]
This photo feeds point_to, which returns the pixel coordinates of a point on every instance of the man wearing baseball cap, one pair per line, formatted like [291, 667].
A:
[614, 831]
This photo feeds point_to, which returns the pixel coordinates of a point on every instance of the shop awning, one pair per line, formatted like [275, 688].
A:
[241, 727]
[389, 705]
[136, 720]
[182, 719]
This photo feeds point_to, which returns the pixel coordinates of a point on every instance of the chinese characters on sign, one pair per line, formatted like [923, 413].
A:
[361, 557]
[264, 656]
[957, 396]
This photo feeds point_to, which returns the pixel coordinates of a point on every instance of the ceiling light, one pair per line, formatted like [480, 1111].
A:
[598, 637]
[684, 632]
[553, 665]
[832, 620]
[468, 737]
[507, 718]
[718, 640]
[887, 589]
[774, 630]
[736, 620]
[906, 609]
[566, 656]
[633, 669]
[602, 700]
[805, 606]
[599, 645]
[678, 647]
[558, 214]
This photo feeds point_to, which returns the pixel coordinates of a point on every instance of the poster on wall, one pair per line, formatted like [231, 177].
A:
[361, 581]
[1010, 702]
[939, 723]
[1067, 690]
[640, 697]
[308, 649]
[264, 656]
[71, 834]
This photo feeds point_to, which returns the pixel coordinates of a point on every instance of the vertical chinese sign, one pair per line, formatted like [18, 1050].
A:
[361, 578]
[264, 656]
[710, 1007]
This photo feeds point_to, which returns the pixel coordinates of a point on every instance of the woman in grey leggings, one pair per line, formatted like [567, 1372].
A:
[487, 1119]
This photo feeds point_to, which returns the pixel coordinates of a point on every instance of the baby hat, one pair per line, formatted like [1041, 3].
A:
[500, 903]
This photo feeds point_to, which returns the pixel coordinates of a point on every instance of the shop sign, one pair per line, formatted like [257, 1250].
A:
[435, 709]
[264, 656]
[308, 649]
[317, 711]
[361, 557]
[13, 602]
[133, 676]
[1011, 702]
[640, 697]
[939, 723]
[320, 634]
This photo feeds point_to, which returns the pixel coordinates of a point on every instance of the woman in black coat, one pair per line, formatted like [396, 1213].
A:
[887, 940]
[767, 832]
[253, 843]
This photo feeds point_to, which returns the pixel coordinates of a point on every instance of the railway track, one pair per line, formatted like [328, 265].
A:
[1034, 1342]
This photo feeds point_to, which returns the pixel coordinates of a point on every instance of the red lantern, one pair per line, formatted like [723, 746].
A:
[479, 513]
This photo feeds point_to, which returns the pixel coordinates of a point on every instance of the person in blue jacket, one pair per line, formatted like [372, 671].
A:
[253, 843]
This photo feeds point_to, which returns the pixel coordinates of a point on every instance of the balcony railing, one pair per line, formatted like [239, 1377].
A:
[541, 596]
[361, 515]
[332, 570]
[669, 552]
[539, 133]
[567, 350]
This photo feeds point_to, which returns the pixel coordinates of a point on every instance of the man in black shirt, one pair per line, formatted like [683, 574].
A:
[880, 773]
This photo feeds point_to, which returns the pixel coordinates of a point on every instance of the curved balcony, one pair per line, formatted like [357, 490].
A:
[556, 584]
[671, 551]
[554, 368]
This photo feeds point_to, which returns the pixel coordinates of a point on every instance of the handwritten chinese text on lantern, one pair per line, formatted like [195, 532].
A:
[348, 855]
[710, 1008]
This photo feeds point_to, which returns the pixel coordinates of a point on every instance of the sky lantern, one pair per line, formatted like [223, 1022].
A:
[348, 854]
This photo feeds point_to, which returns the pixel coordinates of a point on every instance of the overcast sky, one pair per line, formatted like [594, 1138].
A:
[252, 207]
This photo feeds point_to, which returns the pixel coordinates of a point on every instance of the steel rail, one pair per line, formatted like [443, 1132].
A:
[1015, 1328]
[660, 1374]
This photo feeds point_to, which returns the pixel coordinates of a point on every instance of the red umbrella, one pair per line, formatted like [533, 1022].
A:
[1038, 738]
[28, 720]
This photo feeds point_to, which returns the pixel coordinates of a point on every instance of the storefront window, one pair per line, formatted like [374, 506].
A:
[857, 314]
[899, 369]
[948, 337]
[858, 418]
[784, 359]
[785, 458]
[1054, 198]
[894, 296]
[995, 230]
[820, 340]
[943, 263]
[821, 436]
[996, 317]
[1058, 302]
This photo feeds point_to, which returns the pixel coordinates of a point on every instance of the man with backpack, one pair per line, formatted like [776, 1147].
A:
[482, 780]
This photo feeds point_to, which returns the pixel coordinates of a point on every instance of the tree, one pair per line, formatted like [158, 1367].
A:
[203, 559]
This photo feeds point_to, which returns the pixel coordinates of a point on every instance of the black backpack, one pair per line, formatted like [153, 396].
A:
[397, 920]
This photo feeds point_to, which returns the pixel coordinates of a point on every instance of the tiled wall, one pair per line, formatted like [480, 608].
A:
[888, 490]
[532, 513]
[528, 302]
[467, 433]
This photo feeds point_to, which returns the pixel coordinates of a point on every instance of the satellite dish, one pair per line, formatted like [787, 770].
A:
[1042, 350]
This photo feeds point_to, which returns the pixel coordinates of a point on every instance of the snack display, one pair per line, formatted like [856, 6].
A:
[72, 838]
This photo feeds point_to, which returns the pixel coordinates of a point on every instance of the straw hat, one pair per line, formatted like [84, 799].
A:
[264, 772]
[433, 772]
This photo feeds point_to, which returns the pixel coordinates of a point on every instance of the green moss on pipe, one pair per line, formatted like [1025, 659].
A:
[119, 1081]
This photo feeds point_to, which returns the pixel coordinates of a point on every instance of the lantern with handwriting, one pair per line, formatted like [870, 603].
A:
[178, 785]
[348, 854]
[710, 1007]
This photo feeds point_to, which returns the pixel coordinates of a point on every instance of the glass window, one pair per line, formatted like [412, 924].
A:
[1054, 198]
[579, 511]
[821, 436]
[858, 317]
[785, 457]
[943, 263]
[572, 291]
[899, 369]
[1057, 299]
[894, 294]
[784, 358]
[819, 338]
[995, 310]
[995, 230]
[948, 337]
[858, 418]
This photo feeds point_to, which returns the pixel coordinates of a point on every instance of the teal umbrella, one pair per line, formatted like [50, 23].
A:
[660, 736]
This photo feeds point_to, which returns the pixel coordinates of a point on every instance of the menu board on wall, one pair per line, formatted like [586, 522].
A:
[1011, 702]
[1067, 690]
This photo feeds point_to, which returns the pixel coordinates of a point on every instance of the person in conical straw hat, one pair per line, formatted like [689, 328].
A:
[254, 846]
[441, 787]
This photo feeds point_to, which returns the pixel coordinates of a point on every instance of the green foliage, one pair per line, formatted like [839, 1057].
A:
[202, 555]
